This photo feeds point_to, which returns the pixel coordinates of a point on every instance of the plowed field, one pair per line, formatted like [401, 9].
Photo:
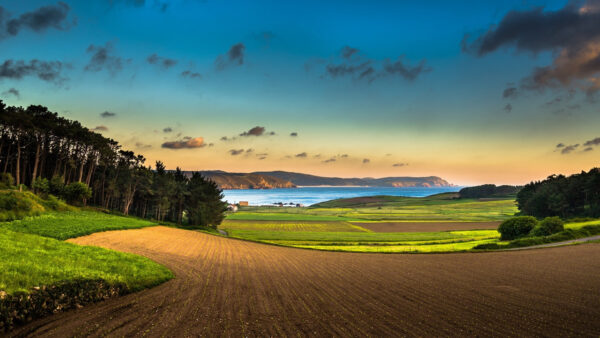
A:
[226, 287]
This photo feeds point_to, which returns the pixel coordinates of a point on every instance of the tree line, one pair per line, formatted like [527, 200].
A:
[51, 154]
[577, 195]
[488, 190]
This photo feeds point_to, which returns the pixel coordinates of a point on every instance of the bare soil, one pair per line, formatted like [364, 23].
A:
[228, 287]
[426, 226]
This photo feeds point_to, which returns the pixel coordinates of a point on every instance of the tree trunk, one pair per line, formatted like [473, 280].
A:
[18, 167]
[88, 179]
[36, 163]
[81, 170]
[7, 159]
[180, 212]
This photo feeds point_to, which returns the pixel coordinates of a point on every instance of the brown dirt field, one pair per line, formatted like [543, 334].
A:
[426, 226]
[227, 287]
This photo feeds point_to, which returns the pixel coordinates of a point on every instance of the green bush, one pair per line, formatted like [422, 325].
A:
[6, 181]
[487, 246]
[53, 203]
[21, 308]
[565, 235]
[516, 227]
[41, 186]
[77, 192]
[12, 201]
[549, 226]
[57, 186]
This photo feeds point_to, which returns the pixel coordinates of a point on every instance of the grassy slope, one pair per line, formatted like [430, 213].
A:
[16, 205]
[64, 225]
[30, 260]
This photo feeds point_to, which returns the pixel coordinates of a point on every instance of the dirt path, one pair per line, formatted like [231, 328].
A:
[227, 287]
[550, 245]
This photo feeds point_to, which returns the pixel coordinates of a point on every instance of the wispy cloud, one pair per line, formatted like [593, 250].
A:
[104, 58]
[12, 91]
[39, 20]
[233, 57]
[49, 71]
[163, 62]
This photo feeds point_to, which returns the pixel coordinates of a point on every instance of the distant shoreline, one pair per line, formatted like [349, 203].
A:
[344, 186]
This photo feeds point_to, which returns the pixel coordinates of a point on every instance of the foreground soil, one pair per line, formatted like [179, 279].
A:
[227, 287]
[426, 226]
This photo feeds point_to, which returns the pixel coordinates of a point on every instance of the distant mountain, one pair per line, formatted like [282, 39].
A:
[312, 180]
[246, 180]
[285, 179]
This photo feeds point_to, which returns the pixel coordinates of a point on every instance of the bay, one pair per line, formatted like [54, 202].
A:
[311, 195]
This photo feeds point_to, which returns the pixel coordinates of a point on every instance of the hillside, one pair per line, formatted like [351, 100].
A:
[286, 179]
[312, 180]
[227, 180]
[388, 201]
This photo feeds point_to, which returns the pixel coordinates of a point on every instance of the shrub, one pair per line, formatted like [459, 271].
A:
[77, 192]
[549, 226]
[6, 181]
[42, 186]
[21, 308]
[57, 186]
[516, 227]
[53, 203]
[14, 202]
[488, 246]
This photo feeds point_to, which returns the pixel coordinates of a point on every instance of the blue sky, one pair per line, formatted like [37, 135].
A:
[449, 118]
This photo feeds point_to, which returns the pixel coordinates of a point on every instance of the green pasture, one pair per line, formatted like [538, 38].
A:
[405, 248]
[309, 226]
[32, 253]
[64, 225]
[326, 226]
[29, 260]
[388, 208]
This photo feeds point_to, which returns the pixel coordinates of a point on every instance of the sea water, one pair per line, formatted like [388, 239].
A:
[311, 195]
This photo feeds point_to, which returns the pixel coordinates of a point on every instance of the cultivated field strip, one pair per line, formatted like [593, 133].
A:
[227, 287]
[425, 226]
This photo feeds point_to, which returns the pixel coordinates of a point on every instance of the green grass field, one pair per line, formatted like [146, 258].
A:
[64, 225]
[29, 260]
[579, 225]
[326, 226]
[443, 207]
[343, 236]
[32, 253]
[312, 226]
[405, 248]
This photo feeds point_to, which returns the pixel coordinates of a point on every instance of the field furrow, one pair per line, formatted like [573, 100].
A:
[228, 287]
